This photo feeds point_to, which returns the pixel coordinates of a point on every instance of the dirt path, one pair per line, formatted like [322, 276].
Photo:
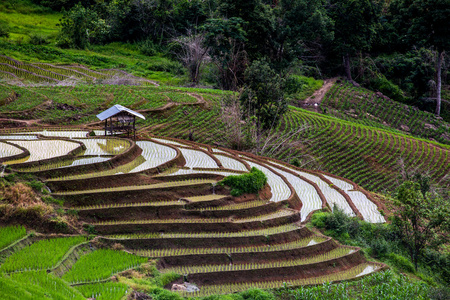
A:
[12, 123]
[318, 95]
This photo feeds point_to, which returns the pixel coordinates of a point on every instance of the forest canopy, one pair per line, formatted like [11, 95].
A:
[395, 47]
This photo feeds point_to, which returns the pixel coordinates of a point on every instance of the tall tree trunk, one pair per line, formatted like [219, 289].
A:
[348, 71]
[440, 58]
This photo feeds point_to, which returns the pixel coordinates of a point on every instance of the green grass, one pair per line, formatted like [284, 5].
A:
[44, 254]
[101, 264]
[10, 234]
[122, 56]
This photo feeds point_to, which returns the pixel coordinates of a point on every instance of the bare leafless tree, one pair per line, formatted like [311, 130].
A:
[242, 134]
[193, 53]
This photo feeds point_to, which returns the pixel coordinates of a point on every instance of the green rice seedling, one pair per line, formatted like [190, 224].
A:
[101, 264]
[335, 253]
[44, 254]
[305, 242]
[9, 234]
[360, 270]
[244, 233]
[168, 184]
[38, 285]
[104, 291]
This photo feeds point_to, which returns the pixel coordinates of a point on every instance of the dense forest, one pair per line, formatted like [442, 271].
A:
[395, 47]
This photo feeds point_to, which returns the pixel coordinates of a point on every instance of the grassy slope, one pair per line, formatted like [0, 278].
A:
[26, 19]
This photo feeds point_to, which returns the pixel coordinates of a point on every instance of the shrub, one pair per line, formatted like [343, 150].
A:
[401, 262]
[4, 29]
[296, 162]
[38, 39]
[147, 47]
[162, 294]
[386, 87]
[256, 294]
[245, 183]
[36, 185]
[379, 248]
[166, 278]
[319, 219]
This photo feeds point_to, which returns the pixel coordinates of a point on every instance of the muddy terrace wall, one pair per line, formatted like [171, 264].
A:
[247, 257]
[138, 196]
[280, 273]
[239, 241]
[192, 227]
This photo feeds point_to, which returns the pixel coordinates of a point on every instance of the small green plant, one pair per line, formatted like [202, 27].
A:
[36, 185]
[245, 183]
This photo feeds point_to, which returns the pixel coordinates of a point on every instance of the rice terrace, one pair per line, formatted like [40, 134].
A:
[224, 150]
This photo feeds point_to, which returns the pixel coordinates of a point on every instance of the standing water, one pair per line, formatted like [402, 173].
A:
[2, 173]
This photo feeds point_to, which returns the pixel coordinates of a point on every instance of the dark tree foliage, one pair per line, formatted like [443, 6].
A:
[425, 23]
[355, 28]
[263, 95]
[226, 39]
[81, 26]
[302, 31]
[422, 218]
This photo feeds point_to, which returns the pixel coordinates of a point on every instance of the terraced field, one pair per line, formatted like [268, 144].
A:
[160, 198]
[368, 153]
[26, 73]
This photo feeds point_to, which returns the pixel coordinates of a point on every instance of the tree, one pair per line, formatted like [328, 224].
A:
[422, 218]
[263, 95]
[425, 23]
[226, 39]
[81, 26]
[355, 27]
[193, 53]
[303, 28]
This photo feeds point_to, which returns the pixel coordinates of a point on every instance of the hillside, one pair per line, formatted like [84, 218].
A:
[369, 151]
[278, 159]
[159, 198]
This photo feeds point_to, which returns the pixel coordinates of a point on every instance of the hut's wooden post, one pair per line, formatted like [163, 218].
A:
[134, 126]
[111, 121]
[106, 125]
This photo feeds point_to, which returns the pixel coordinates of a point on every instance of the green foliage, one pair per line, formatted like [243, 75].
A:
[165, 278]
[380, 83]
[51, 200]
[301, 87]
[257, 294]
[36, 185]
[246, 183]
[163, 294]
[401, 262]
[38, 39]
[383, 285]
[44, 254]
[4, 29]
[263, 96]
[80, 27]
[422, 218]
[296, 162]
[101, 264]
[9, 234]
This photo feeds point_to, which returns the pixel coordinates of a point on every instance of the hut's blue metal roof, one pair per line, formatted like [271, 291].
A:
[114, 110]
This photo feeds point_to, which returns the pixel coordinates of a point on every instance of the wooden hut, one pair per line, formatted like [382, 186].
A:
[119, 119]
